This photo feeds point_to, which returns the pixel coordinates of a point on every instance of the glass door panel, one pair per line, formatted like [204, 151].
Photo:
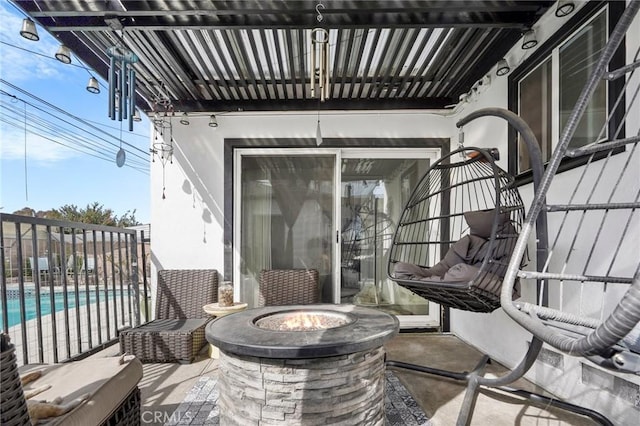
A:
[373, 194]
[286, 218]
[294, 209]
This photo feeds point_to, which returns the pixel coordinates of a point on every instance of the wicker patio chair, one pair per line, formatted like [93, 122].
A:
[13, 409]
[288, 287]
[177, 332]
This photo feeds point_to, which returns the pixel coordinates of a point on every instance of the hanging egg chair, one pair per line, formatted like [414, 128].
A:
[457, 232]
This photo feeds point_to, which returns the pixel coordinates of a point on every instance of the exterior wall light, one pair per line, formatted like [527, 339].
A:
[503, 67]
[213, 122]
[564, 8]
[184, 119]
[529, 40]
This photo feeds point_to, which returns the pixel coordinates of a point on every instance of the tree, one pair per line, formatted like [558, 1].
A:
[94, 213]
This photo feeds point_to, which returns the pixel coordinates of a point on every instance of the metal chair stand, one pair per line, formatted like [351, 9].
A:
[475, 378]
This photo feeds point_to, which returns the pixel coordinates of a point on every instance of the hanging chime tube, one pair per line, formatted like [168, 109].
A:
[132, 96]
[313, 65]
[320, 62]
[122, 86]
[323, 71]
[320, 70]
[112, 88]
[125, 87]
[326, 64]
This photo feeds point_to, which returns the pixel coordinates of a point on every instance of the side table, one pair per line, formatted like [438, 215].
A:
[218, 311]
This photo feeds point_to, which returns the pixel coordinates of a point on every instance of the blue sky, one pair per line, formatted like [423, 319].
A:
[59, 169]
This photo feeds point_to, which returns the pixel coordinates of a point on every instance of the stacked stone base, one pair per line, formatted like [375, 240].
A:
[342, 390]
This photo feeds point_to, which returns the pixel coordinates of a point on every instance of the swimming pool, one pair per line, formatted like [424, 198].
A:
[13, 304]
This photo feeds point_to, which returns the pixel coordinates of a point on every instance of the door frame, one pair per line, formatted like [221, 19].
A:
[339, 153]
[432, 154]
[237, 193]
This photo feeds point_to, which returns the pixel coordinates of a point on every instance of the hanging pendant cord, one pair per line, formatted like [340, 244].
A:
[164, 162]
[26, 185]
[163, 186]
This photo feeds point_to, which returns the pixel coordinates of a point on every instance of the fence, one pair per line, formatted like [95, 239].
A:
[66, 289]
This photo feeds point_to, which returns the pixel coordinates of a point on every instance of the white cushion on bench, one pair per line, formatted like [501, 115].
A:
[108, 382]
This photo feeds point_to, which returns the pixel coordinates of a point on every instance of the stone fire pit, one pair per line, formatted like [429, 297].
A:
[303, 364]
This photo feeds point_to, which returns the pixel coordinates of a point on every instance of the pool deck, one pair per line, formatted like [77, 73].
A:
[71, 340]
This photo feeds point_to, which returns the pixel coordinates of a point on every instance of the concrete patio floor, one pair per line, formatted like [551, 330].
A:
[441, 398]
[164, 386]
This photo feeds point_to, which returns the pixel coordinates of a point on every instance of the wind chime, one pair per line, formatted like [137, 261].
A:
[163, 144]
[319, 66]
[163, 133]
[122, 90]
[319, 57]
[122, 84]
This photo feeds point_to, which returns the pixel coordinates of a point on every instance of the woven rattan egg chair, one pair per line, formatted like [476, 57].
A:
[454, 244]
[457, 232]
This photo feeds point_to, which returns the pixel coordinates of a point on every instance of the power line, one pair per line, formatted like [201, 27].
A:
[73, 125]
[50, 105]
[110, 160]
[140, 135]
[47, 130]
[53, 132]
[37, 53]
[51, 129]
[117, 128]
[76, 126]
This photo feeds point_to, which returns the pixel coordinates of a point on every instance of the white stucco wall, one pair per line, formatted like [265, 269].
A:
[188, 224]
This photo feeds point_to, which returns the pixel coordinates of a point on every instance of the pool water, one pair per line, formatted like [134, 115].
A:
[13, 305]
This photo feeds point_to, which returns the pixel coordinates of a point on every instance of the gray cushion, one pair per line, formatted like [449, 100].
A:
[481, 221]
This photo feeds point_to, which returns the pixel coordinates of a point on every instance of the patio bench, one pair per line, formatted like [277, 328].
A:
[112, 385]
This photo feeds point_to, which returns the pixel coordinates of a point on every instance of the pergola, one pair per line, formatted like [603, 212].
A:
[253, 55]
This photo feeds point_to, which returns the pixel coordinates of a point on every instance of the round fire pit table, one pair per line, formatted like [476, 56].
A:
[293, 365]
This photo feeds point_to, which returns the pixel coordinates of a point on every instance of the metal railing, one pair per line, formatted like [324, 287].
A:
[66, 288]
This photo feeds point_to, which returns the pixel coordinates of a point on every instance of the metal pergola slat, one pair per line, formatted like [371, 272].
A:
[253, 55]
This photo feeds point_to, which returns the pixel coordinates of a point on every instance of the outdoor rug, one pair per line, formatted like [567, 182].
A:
[200, 405]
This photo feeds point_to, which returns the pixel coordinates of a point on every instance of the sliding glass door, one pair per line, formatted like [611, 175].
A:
[374, 187]
[285, 207]
[333, 210]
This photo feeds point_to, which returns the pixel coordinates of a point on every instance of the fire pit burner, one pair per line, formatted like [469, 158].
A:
[309, 320]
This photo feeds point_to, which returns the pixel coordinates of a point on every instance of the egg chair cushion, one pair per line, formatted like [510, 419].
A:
[463, 261]
[481, 221]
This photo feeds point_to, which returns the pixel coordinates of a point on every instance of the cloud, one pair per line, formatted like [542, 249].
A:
[48, 87]
[33, 73]
[17, 65]
[39, 149]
